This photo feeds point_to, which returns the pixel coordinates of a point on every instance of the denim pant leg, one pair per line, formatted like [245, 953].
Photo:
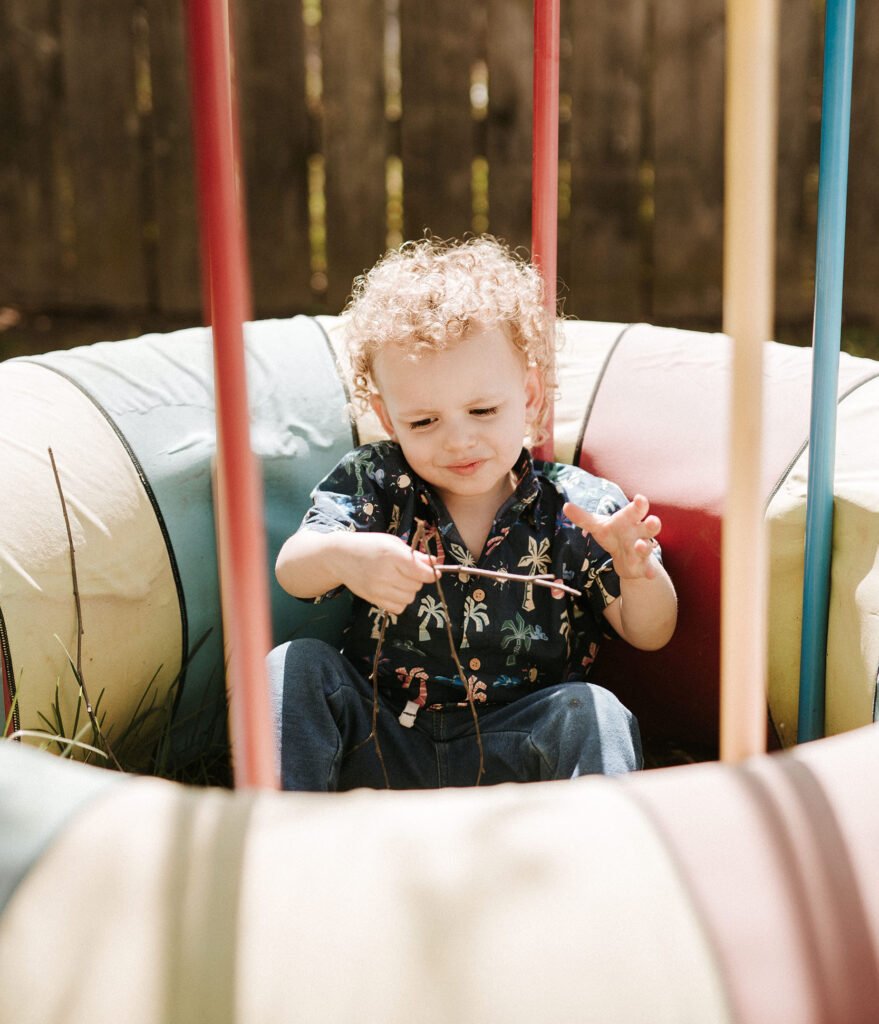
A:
[561, 732]
[590, 732]
[323, 712]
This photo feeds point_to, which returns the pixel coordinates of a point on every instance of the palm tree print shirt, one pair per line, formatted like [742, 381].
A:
[512, 636]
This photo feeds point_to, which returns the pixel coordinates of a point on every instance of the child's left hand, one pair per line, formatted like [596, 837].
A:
[627, 536]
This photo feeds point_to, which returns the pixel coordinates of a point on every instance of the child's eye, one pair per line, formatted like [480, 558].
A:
[421, 424]
[491, 411]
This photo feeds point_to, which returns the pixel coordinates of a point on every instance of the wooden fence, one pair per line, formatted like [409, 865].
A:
[366, 121]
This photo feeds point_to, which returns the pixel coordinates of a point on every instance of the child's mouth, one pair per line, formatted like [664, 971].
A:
[466, 468]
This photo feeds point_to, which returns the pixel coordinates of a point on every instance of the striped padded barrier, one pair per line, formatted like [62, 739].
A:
[644, 406]
[705, 894]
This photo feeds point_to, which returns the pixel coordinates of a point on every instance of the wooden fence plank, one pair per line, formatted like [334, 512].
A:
[274, 138]
[861, 295]
[687, 120]
[607, 272]
[439, 47]
[509, 56]
[799, 84]
[354, 134]
[103, 147]
[96, 179]
[32, 243]
[174, 214]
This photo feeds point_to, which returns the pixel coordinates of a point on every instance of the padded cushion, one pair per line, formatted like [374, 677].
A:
[704, 893]
[658, 425]
[132, 427]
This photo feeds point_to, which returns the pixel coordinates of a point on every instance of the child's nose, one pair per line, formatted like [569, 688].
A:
[459, 436]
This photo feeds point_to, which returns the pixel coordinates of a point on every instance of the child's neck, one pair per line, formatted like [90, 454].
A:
[473, 516]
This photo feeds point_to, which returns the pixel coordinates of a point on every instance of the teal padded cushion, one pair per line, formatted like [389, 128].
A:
[38, 796]
[158, 392]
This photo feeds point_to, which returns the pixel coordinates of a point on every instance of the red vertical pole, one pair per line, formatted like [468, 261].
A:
[545, 163]
[239, 496]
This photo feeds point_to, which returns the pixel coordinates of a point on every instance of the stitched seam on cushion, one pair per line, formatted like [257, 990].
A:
[352, 421]
[578, 448]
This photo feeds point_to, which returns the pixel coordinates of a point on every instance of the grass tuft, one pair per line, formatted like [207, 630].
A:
[149, 742]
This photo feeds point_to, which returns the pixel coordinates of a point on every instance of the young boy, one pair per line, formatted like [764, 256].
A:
[451, 345]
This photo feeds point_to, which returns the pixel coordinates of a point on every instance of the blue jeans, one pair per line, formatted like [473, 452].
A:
[323, 712]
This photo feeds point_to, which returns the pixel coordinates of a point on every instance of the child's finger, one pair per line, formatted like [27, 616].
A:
[652, 525]
[586, 521]
[640, 506]
[396, 596]
[424, 570]
[632, 515]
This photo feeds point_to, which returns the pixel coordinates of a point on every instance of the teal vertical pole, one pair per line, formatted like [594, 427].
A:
[832, 186]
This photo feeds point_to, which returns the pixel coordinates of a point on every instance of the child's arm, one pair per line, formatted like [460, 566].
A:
[646, 612]
[380, 568]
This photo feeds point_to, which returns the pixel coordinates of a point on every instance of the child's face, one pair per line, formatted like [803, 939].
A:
[460, 415]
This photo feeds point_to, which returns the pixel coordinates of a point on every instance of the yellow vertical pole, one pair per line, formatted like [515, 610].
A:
[748, 308]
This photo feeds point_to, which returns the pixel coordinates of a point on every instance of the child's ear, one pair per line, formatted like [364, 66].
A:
[381, 410]
[534, 391]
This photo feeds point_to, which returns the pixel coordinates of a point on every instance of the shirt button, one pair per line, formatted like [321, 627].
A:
[479, 595]
[475, 663]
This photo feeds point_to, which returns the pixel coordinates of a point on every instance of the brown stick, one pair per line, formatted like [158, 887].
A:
[467, 687]
[542, 579]
[373, 734]
[374, 677]
[383, 622]
[79, 628]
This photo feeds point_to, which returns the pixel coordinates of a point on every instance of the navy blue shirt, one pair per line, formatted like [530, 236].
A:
[512, 637]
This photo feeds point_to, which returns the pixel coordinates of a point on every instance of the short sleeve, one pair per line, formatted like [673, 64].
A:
[351, 496]
[594, 570]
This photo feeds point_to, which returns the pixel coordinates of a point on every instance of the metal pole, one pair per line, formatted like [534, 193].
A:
[240, 516]
[832, 186]
[748, 304]
[545, 162]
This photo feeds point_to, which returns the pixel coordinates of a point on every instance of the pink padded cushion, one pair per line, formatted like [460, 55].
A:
[658, 426]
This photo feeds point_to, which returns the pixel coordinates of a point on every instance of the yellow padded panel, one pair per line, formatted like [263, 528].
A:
[123, 569]
[549, 902]
[853, 631]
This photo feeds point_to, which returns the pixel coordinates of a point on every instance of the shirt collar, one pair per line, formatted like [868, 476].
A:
[523, 497]
[523, 500]
[527, 487]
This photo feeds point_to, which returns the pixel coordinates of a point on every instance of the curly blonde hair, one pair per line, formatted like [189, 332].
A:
[428, 294]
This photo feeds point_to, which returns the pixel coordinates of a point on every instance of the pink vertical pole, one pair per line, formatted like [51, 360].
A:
[750, 131]
[545, 163]
[239, 496]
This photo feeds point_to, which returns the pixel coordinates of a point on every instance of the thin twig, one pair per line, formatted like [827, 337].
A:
[383, 622]
[374, 677]
[543, 579]
[468, 689]
[79, 628]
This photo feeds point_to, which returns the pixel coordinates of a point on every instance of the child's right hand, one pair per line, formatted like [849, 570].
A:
[384, 570]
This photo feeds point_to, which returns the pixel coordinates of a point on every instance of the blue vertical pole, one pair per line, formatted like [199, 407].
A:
[832, 186]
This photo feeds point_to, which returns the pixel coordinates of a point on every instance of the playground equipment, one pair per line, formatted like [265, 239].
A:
[712, 892]
[131, 425]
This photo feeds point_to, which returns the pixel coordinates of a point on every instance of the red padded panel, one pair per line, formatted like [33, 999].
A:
[658, 426]
[777, 858]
